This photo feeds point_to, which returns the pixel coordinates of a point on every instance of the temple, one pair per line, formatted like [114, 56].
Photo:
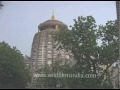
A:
[43, 51]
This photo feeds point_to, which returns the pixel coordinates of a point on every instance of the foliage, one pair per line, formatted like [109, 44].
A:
[12, 67]
[82, 40]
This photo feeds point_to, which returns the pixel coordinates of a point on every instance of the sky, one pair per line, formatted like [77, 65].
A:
[19, 20]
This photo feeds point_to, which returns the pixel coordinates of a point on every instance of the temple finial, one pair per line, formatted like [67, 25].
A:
[52, 17]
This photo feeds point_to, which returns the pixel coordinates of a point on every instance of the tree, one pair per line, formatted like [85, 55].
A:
[13, 72]
[52, 74]
[108, 33]
[70, 78]
[82, 39]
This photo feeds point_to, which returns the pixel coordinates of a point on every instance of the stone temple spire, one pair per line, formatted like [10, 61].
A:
[53, 17]
[43, 51]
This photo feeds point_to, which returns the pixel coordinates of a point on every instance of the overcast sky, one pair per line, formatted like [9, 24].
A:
[19, 20]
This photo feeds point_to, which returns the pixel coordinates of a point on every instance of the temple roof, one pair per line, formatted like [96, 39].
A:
[51, 24]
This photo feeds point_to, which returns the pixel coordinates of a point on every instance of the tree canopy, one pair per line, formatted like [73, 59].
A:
[13, 72]
[83, 40]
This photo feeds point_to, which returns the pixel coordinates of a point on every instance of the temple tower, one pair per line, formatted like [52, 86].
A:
[43, 51]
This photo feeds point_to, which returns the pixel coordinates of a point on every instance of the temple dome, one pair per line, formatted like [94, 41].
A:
[51, 24]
